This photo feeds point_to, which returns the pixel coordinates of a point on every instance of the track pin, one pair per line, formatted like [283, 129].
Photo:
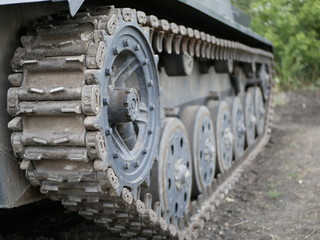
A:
[37, 90]
[61, 140]
[39, 140]
[55, 90]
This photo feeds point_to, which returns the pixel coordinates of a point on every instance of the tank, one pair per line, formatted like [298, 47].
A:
[140, 115]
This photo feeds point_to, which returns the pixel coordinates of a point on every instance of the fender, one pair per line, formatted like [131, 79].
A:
[74, 5]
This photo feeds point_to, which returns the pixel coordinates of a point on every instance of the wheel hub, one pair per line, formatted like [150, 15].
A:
[209, 150]
[182, 174]
[124, 105]
[228, 138]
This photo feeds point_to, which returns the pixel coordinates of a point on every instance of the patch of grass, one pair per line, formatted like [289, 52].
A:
[294, 175]
[274, 193]
[293, 146]
[280, 99]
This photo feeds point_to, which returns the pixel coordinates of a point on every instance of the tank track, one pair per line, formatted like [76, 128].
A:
[82, 184]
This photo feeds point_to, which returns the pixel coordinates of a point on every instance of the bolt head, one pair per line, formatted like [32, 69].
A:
[126, 43]
[145, 61]
[116, 51]
[150, 83]
[126, 166]
[108, 71]
[108, 131]
[105, 101]
[137, 164]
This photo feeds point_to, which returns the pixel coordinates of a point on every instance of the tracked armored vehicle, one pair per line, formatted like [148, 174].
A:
[140, 117]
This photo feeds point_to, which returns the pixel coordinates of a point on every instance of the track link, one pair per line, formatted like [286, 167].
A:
[55, 132]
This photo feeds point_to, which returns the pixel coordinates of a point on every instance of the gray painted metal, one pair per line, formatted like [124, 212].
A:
[74, 5]
[215, 11]
[241, 17]
[5, 2]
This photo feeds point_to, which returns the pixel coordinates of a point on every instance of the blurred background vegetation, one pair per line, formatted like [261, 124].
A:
[293, 26]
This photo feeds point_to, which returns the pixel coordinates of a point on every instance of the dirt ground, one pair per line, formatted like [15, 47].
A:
[276, 198]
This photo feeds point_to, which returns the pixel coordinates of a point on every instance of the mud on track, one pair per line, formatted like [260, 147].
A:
[277, 198]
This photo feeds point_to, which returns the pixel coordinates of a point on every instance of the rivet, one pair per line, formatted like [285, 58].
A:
[145, 151]
[149, 131]
[145, 61]
[137, 164]
[152, 107]
[105, 101]
[115, 155]
[126, 42]
[137, 47]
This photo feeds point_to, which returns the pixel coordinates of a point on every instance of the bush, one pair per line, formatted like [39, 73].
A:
[293, 26]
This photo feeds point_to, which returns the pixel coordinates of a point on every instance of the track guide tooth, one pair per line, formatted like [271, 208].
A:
[24, 165]
[15, 124]
[16, 79]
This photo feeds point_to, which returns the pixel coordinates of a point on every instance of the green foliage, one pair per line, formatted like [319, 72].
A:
[293, 26]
